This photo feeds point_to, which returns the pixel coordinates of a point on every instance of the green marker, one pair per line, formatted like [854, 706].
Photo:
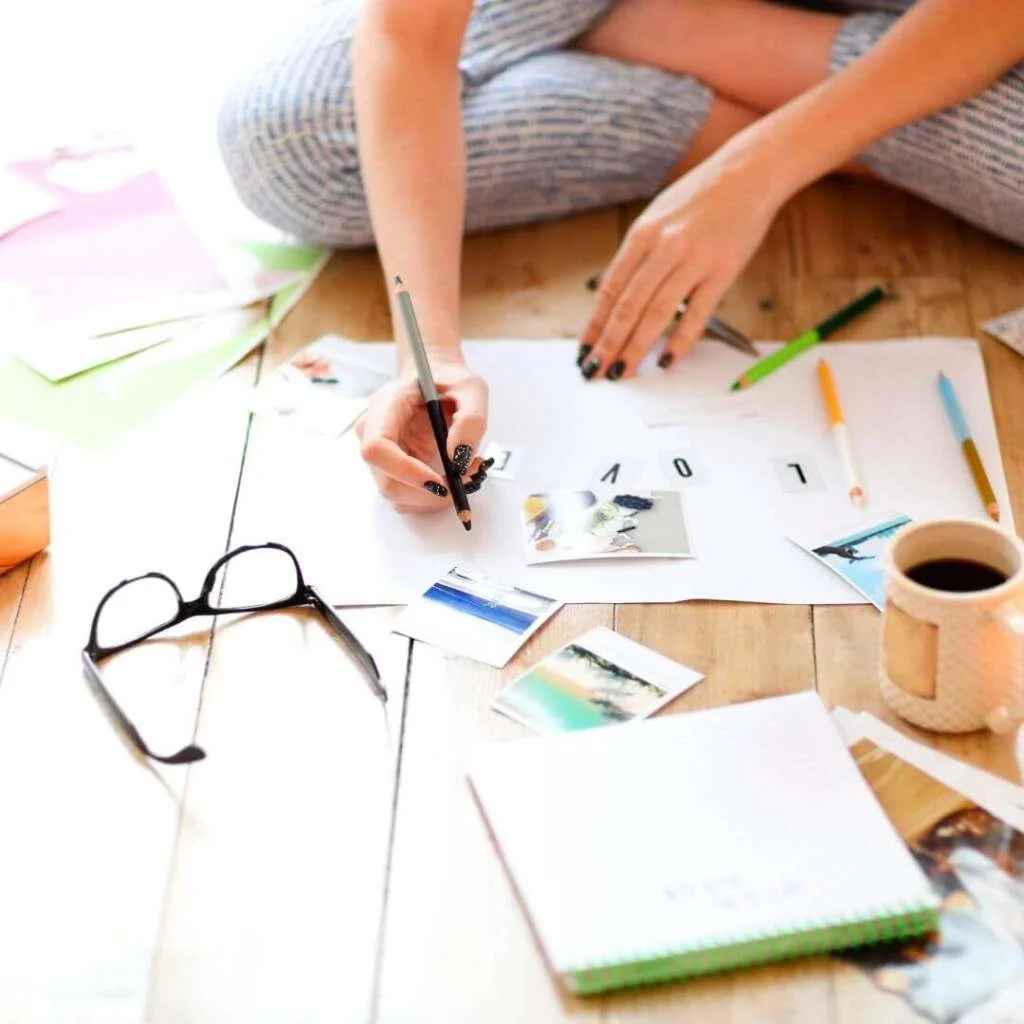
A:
[802, 342]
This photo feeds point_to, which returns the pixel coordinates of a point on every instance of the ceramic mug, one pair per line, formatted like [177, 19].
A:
[952, 656]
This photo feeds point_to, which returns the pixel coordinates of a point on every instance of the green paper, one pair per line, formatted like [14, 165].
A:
[86, 411]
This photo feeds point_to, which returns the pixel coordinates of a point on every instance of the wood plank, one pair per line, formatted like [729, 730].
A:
[846, 228]
[276, 900]
[278, 886]
[847, 639]
[457, 946]
[92, 831]
[530, 282]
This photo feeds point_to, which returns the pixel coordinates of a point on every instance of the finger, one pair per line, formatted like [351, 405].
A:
[629, 310]
[701, 305]
[382, 453]
[631, 255]
[476, 481]
[469, 421]
[429, 497]
[658, 319]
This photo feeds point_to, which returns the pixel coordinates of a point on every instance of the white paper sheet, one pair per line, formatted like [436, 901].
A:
[997, 795]
[739, 502]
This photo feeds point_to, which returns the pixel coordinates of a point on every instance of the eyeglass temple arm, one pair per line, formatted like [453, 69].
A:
[363, 656]
[186, 755]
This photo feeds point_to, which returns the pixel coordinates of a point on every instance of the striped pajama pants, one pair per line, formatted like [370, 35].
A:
[551, 131]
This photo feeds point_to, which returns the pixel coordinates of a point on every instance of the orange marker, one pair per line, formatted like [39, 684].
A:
[837, 422]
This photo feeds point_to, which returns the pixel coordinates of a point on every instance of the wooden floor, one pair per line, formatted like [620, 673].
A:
[326, 863]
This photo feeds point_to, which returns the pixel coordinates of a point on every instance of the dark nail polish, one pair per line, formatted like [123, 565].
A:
[591, 368]
[435, 488]
[461, 458]
[583, 353]
[476, 481]
[615, 371]
[665, 361]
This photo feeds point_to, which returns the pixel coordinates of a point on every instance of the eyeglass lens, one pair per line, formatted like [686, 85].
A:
[136, 610]
[255, 579]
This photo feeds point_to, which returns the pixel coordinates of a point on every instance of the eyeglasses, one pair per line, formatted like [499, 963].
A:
[137, 609]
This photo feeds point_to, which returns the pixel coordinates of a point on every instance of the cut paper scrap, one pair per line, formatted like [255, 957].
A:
[22, 202]
[1008, 328]
[695, 389]
[659, 409]
[93, 408]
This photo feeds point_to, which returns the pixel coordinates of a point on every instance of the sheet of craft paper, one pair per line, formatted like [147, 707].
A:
[93, 408]
[119, 252]
[747, 482]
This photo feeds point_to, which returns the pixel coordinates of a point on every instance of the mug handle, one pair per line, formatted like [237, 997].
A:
[1005, 719]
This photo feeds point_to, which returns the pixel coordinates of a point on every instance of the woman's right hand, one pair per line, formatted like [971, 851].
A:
[398, 444]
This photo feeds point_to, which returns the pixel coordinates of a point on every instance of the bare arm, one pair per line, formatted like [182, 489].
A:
[409, 120]
[696, 237]
[406, 79]
[938, 54]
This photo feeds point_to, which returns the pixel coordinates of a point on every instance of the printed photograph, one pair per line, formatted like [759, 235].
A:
[604, 523]
[323, 388]
[477, 617]
[975, 863]
[603, 678]
[857, 556]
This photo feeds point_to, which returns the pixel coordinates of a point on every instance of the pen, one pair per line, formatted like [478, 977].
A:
[837, 421]
[958, 422]
[433, 403]
[804, 341]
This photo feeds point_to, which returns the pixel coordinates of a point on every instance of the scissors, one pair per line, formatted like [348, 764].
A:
[716, 327]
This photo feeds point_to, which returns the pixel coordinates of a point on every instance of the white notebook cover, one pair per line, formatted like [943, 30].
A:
[693, 832]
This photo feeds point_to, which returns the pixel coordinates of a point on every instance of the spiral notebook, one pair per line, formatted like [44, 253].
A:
[696, 843]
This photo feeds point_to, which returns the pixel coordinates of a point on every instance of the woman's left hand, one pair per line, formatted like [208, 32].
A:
[690, 243]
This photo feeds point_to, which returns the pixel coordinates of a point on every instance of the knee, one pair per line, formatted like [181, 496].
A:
[287, 138]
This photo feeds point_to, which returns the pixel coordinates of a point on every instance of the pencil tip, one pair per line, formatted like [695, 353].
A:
[467, 526]
[993, 511]
[857, 496]
[398, 281]
[736, 385]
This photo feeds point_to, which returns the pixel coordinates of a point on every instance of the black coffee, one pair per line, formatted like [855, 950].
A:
[960, 575]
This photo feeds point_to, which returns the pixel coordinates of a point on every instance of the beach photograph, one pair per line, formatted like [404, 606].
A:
[602, 678]
[475, 616]
[604, 523]
[857, 555]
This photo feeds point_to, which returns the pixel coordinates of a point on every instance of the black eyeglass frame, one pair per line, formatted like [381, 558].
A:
[305, 596]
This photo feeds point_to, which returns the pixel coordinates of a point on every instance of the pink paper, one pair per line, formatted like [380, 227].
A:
[118, 240]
